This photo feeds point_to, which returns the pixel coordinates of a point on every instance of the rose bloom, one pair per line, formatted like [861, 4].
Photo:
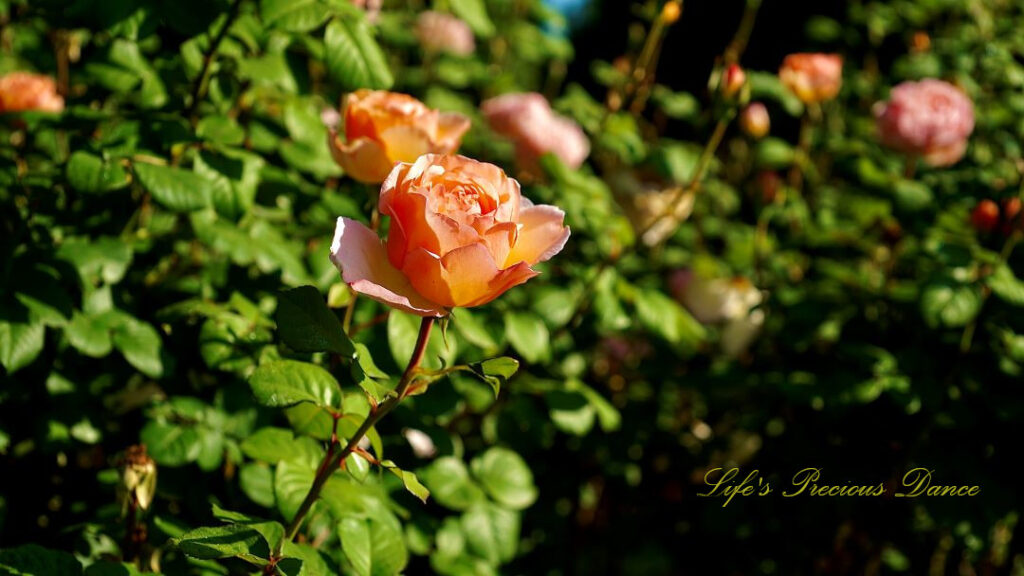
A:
[931, 119]
[726, 301]
[440, 32]
[461, 235]
[754, 120]
[528, 120]
[24, 91]
[813, 77]
[382, 128]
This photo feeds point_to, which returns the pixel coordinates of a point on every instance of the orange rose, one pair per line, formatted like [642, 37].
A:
[813, 77]
[461, 235]
[382, 128]
[23, 91]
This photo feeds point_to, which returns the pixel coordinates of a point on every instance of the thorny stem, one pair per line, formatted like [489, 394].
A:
[200, 83]
[334, 458]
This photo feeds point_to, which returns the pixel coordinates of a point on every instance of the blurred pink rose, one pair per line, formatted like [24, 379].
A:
[931, 119]
[812, 77]
[24, 91]
[536, 129]
[372, 8]
[440, 32]
[754, 120]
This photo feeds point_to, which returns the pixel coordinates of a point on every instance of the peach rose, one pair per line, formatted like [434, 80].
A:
[461, 235]
[440, 32]
[528, 120]
[813, 77]
[931, 119]
[24, 91]
[382, 128]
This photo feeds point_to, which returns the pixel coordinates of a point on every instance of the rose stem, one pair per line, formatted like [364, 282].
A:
[333, 459]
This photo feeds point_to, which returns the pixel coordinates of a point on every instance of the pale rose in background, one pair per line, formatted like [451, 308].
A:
[754, 120]
[813, 77]
[726, 301]
[421, 443]
[371, 7]
[461, 234]
[24, 91]
[528, 120]
[383, 128]
[653, 206]
[931, 119]
[440, 32]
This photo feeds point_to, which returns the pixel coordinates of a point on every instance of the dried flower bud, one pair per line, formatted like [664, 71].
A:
[138, 476]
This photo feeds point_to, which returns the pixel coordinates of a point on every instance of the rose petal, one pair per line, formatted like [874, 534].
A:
[358, 253]
[464, 277]
[541, 234]
[451, 127]
[362, 159]
[419, 227]
[405, 142]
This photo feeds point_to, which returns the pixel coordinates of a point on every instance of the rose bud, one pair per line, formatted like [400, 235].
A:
[985, 216]
[670, 12]
[754, 120]
[382, 128]
[768, 183]
[733, 80]
[138, 477]
[1012, 218]
[931, 119]
[440, 32]
[812, 77]
[25, 92]
[461, 234]
[528, 120]
[920, 42]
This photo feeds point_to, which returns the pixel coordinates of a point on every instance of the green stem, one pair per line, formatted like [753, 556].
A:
[742, 37]
[334, 458]
[197, 88]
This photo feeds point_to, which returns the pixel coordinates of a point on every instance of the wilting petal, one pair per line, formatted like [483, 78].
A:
[362, 159]
[464, 277]
[358, 253]
[541, 235]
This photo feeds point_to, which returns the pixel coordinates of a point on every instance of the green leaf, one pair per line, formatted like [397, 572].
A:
[529, 336]
[774, 153]
[912, 195]
[1005, 285]
[294, 15]
[353, 57]
[91, 174]
[664, 316]
[34, 560]
[357, 467]
[285, 383]
[491, 532]
[495, 371]
[450, 483]
[140, 343]
[505, 477]
[170, 444]
[176, 189]
[292, 481]
[950, 305]
[306, 324]
[220, 130]
[20, 344]
[766, 85]
[230, 541]
[409, 480]
[257, 482]
[355, 543]
[474, 13]
[272, 445]
[402, 332]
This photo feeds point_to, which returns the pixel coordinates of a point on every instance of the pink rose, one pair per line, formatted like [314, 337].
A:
[461, 234]
[24, 91]
[536, 129]
[440, 32]
[931, 119]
